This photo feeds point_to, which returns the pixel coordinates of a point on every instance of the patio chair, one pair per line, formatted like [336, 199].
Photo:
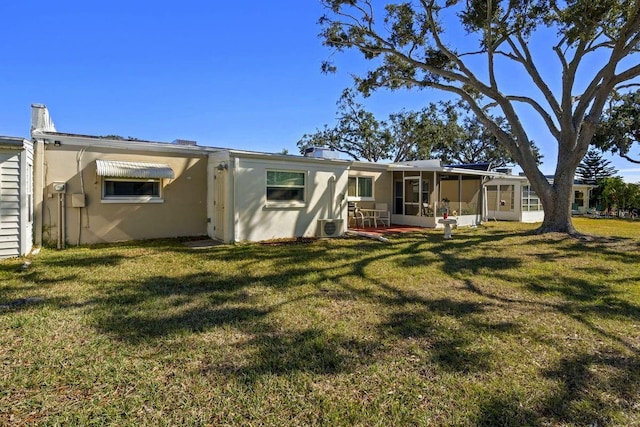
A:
[352, 218]
[365, 217]
[356, 215]
[385, 216]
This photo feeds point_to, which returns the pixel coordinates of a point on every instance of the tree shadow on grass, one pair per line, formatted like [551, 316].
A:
[160, 306]
[87, 261]
[505, 409]
[136, 328]
[453, 349]
[311, 350]
[592, 388]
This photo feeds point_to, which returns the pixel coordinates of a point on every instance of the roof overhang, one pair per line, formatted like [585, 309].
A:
[120, 169]
[12, 142]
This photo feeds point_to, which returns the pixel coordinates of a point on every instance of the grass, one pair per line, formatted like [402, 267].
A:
[498, 326]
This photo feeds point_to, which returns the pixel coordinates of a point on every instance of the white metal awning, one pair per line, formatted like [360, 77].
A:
[119, 169]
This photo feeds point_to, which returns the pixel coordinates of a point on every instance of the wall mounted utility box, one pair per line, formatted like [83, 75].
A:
[78, 200]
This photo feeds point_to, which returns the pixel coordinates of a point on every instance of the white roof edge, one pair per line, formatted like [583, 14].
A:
[284, 157]
[14, 142]
[95, 141]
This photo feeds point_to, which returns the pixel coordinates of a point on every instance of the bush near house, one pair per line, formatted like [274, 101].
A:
[498, 326]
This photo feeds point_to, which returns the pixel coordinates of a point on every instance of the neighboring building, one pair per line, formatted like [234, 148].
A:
[511, 198]
[16, 196]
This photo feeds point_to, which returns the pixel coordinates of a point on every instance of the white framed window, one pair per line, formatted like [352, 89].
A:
[132, 182]
[360, 188]
[132, 190]
[530, 200]
[286, 188]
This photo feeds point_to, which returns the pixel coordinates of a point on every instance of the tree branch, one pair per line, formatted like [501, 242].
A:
[541, 111]
[527, 61]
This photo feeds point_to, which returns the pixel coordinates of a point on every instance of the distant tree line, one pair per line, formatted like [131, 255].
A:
[611, 193]
[445, 130]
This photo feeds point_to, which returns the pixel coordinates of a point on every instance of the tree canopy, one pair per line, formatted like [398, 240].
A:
[620, 126]
[475, 48]
[447, 131]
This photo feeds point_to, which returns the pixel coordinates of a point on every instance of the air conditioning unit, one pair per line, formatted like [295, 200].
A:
[330, 227]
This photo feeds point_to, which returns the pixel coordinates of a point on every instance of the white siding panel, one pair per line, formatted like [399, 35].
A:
[10, 198]
[10, 177]
[8, 239]
[8, 252]
[10, 213]
[10, 187]
[7, 232]
[10, 182]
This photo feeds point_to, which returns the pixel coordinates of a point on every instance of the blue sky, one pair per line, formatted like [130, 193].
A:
[243, 75]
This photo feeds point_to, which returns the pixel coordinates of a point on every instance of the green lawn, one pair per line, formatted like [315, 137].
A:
[498, 326]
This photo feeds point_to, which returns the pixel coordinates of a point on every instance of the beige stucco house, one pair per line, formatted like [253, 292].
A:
[90, 189]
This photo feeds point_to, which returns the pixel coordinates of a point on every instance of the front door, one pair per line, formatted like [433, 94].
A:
[412, 196]
[218, 201]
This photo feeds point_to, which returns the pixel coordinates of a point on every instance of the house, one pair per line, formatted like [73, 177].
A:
[105, 189]
[16, 196]
[92, 189]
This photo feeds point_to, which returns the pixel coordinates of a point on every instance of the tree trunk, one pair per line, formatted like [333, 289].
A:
[556, 201]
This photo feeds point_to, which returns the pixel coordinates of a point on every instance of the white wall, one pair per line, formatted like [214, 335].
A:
[253, 219]
[533, 216]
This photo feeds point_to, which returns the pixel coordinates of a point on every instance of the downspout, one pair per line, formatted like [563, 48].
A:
[459, 194]
[236, 219]
[332, 195]
[79, 169]
[484, 211]
[60, 219]
[38, 190]
[436, 195]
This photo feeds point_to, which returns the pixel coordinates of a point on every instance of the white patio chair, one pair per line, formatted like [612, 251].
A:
[353, 214]
[385, 216]
[365, 217]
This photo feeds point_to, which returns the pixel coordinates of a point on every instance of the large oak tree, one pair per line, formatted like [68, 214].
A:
[425, 44]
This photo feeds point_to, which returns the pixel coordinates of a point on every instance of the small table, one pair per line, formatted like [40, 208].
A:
[447, 226]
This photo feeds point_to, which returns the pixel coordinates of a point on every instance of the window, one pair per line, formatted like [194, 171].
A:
[530, 200]
[578, 198]
[132, 182]
[129, 189]
[360, 188]
[286, 187]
